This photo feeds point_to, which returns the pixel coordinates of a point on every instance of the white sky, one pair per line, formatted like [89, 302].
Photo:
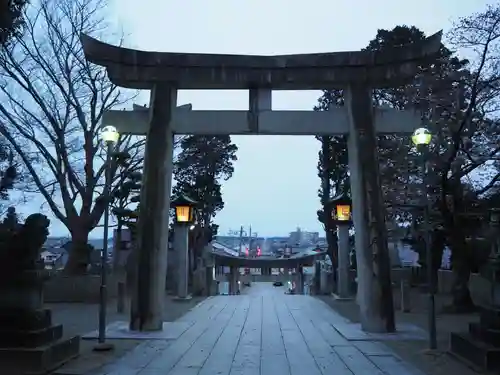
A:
[275, 184]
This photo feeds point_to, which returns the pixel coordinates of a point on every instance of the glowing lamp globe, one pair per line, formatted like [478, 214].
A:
[421, 136]
[184, 210]
[109, 134]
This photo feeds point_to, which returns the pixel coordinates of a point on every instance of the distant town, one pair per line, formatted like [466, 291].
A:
[55, 251]
[297, 241]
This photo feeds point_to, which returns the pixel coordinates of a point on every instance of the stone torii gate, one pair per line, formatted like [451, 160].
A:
[356, 72]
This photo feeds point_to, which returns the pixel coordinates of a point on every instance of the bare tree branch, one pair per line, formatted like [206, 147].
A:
[51, 103]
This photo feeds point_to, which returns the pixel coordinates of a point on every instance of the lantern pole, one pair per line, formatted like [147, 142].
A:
[343, 291]
[184, 219]
[422, 138]
[341, 208]
[181, 248]
[109, 136]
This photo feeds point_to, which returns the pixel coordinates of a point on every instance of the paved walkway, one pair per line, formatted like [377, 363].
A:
[263, 332]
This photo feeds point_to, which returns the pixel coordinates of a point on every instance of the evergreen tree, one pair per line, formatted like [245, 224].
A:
[332, 171]
[10, 18]
[203, 163]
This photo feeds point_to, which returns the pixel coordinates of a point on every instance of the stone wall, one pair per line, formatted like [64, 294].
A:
[479, 286]
[480, 290]
[445, 281]
[84, 288]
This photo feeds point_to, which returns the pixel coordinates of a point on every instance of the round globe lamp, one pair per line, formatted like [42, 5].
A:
[109, 134]
[421, 137]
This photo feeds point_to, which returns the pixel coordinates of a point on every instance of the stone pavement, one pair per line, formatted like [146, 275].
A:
[263, 332]
[415, 351]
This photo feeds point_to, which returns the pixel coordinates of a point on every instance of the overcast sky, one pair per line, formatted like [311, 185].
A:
[275, 184]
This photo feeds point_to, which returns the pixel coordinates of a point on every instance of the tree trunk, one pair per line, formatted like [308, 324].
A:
[461, 267]
[190, 270]
[333, 248]
[437, 248]
[461, 261]
[79, 252]
[326, 187]
[117, 246]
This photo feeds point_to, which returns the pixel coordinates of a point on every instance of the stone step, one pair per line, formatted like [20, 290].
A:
[477, 352]
[40, 360]
[30, 339]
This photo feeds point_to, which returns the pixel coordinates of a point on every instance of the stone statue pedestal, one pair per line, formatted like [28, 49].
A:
[481, 345]
[29, 342]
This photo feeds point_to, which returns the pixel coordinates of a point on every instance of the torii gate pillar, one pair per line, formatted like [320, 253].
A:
[372, 256]
[149, 291]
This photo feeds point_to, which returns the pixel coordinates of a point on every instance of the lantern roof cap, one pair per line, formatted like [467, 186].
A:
[183, 200]
[341, 198]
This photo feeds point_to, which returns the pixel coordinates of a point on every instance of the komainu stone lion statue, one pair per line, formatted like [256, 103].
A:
[21, 244]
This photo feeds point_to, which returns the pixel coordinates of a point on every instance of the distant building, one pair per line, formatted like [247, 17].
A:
[52, 260]
[55, 251]
[302, 238]
[310, 238]
[295, 237]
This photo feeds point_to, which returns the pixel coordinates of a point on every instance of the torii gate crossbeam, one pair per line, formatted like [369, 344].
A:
[333, 121]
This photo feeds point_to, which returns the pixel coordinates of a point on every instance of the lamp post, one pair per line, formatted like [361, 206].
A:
[184, 220]
[340, 208]
[109, 135]
[422, 138]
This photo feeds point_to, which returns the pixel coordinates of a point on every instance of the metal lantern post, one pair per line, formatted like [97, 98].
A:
[109, 135]
[422, 138]
[340, 211]
[184, 220]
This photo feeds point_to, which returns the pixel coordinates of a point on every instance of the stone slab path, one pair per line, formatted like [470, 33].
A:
[263, 332]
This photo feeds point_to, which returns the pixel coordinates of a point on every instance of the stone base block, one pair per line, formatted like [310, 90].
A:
[474, 351]
[25, 320]
[40, 360]
[30, 339]
[488, 335]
